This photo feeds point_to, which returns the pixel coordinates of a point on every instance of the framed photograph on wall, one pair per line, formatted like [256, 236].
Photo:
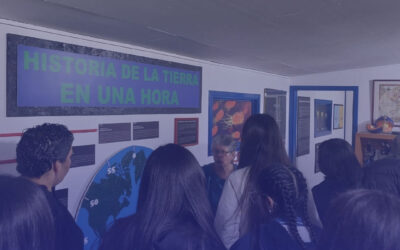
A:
[227, 113]
[338, 116]
[386, 100]
[322, 117]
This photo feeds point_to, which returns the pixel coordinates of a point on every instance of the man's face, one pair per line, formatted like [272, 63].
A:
[222, 155]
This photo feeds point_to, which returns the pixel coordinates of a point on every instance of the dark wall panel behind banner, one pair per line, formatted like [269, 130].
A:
[53, 78]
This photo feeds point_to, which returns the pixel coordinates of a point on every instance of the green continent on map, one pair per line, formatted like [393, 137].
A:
[109, 196]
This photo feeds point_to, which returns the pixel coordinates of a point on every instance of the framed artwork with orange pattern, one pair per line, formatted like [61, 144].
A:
[227, 113]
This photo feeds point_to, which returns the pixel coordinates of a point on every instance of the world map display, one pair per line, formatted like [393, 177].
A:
[112, 193]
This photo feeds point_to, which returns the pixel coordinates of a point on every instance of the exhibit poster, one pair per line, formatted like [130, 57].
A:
[48, 78]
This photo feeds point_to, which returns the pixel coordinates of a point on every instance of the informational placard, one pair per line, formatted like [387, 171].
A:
[62, 196]
[303, 126]
[186, 131]
[53, 78]
[83, 156]
[145, 130]
[114, 132]
[275, 106]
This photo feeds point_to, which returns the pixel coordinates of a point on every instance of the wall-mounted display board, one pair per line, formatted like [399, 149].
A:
[145, 130]
[186, 131]
[275, 106]
[48, 78]
[227, 113]
[83, 156]
[112, 193]
[303, 126]
[322, 117]
[114, 132]
[338, 116]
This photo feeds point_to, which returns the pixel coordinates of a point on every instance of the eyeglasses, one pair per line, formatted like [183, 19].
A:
[217, 152]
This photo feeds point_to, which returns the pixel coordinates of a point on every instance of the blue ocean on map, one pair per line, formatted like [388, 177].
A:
[112, 194]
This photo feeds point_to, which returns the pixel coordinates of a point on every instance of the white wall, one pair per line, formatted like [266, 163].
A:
[306, 162]
[215, 77]
[356, 77]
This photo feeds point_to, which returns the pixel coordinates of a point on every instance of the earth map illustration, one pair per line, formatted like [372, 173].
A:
[112, 194]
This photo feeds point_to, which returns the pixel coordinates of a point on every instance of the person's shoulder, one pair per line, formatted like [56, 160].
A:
[208, 168]
[238, 175]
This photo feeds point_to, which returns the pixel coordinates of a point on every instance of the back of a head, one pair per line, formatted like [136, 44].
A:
[363, 220]
[261, 138]
[40, 147]
[26, 221]
[384, 175]
[172, 192]
[338, 162]
[225, 141]
[287, 187]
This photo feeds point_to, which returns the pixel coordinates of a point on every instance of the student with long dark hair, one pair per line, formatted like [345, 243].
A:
[173, 211]
[261, 145]
[362, 220]
[284, 219]
[26, 221]
[44, 157]
[342, 171]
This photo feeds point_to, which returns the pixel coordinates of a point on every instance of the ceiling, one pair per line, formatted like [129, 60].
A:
[284, 37]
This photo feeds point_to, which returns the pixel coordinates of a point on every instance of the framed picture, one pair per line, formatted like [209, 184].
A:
[386, 100]
[338, 116]
[186, 131]
[227, 113]
[322, 117]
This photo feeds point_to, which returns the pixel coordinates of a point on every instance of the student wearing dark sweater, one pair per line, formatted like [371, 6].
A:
[342, 171]
[44, 157]
[284, 222]
[173, 212]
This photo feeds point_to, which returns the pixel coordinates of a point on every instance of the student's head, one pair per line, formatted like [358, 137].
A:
[261, 139]
[261, 145]
[172, 192]
[384, 175]
[26, 221]
[362, 219]
[223, 147]
[284, 191]
[337, 161]
[43, 148]
[173, 179]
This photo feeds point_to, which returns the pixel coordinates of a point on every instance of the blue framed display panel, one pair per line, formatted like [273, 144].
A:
[223, 97]
[293, 99]
[322, 117]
